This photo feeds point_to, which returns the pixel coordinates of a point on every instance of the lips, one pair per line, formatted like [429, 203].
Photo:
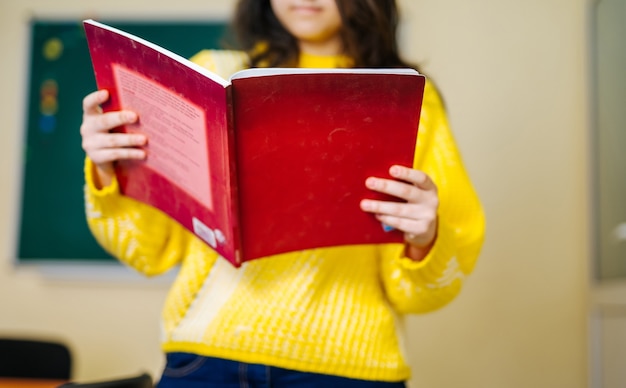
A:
[306, 9]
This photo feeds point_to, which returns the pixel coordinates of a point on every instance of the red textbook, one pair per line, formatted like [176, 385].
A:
[266, 162]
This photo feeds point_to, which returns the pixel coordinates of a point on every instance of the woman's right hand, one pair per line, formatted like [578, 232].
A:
[101, 145]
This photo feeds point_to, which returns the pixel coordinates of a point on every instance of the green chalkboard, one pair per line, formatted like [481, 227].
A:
[52, 218]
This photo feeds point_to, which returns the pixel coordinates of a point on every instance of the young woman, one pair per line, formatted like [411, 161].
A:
[322, 316]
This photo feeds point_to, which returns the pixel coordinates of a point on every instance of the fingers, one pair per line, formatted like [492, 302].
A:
[101, 145]
[417, 189]
[400, 209]
[416, 216]
[91, 102]
[418, 232]
[107, 155]
[104, 122]
[95, 121]
[417, 221]
[416, 177]
[408, 217]
[108, 147]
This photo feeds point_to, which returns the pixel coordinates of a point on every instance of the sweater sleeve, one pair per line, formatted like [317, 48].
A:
[419, 287]
[136, 234]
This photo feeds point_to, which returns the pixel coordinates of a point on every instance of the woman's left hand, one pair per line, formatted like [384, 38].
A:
[417, 217]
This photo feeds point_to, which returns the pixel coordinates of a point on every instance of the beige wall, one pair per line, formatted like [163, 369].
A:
[514, 76]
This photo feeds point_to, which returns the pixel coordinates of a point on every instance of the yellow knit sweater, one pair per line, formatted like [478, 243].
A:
[333, 310]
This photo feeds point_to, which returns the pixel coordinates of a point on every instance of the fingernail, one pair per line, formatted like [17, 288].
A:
[387, 228]
[394, 171]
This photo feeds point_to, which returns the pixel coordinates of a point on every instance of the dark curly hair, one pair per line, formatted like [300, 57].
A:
[368, 34]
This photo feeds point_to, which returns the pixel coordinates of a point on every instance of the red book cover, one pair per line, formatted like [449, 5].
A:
[266, 162]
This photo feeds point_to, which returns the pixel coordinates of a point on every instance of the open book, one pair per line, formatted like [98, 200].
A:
[266, 162]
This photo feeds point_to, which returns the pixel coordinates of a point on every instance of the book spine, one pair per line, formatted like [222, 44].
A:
[233, 178]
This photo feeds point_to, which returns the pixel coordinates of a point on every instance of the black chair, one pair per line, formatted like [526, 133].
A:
[37, 359]
[142, 381]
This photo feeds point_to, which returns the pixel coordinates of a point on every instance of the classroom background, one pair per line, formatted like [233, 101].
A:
[516, 78]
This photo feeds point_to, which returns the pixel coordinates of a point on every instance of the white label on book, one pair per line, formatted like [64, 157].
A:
[204, 232]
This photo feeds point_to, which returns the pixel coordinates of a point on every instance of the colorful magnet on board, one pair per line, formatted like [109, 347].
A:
[53, 49]
[48, 105]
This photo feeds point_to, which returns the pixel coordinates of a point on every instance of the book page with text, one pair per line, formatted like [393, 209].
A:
[175, 129]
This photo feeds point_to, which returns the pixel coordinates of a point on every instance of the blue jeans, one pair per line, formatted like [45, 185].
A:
[184, 370]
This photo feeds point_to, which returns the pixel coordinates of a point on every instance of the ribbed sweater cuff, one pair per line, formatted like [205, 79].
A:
[112, 188]
[441, 252]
